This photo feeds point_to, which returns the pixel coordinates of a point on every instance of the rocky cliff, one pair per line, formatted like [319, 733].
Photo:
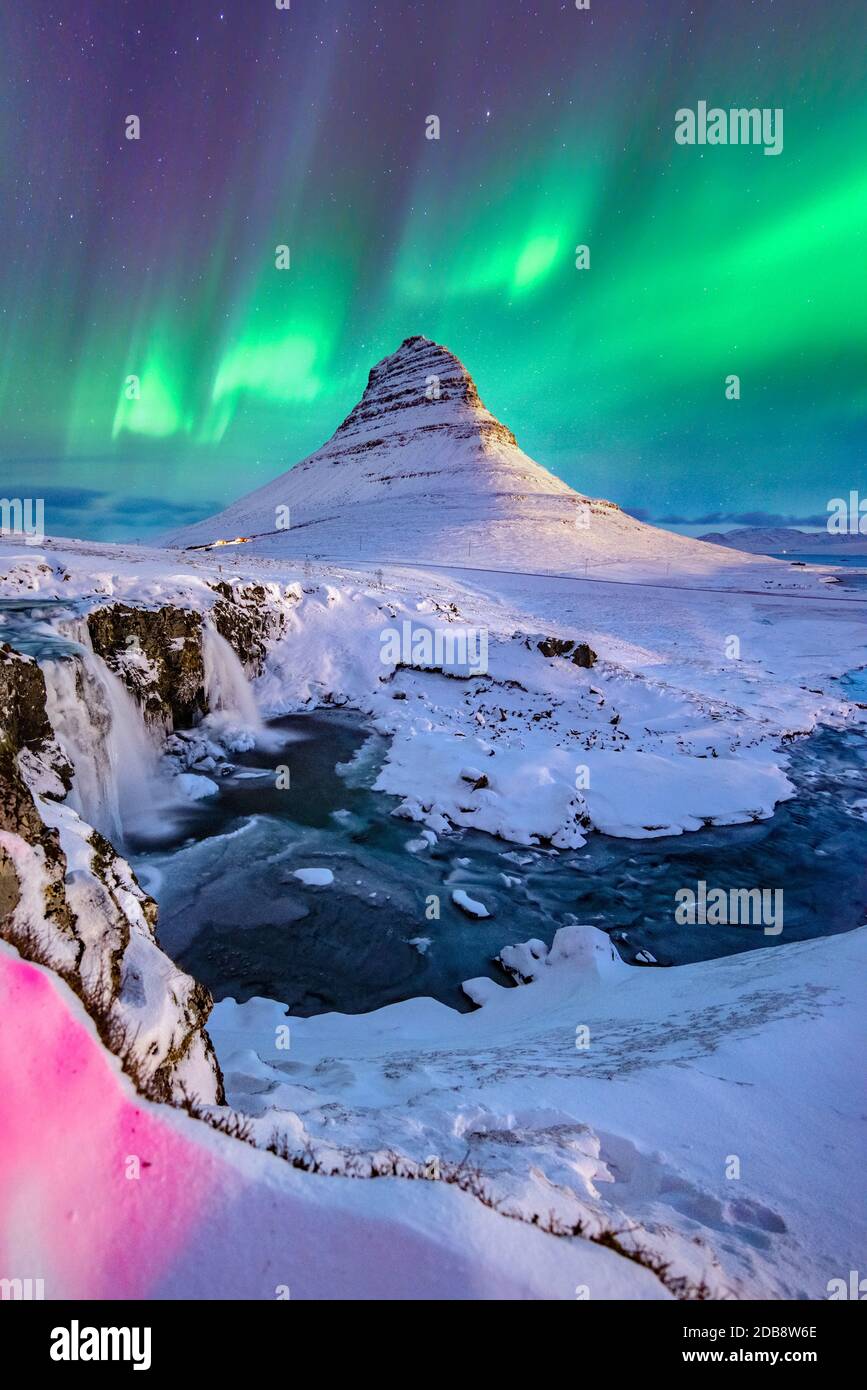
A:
[157, 652]
[158, 655]
[421, 376]
[70, 901]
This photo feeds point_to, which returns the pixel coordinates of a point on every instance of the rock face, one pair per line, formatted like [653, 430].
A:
[69, 901]
[158, 652]
[23, 721]
[249, 617]
[420, 377]
[27, 741]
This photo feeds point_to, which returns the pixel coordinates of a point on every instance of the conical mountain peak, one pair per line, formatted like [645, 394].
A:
[422, 387]
[419, 464]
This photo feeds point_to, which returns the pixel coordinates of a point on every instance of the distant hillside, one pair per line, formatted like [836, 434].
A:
[780, 540]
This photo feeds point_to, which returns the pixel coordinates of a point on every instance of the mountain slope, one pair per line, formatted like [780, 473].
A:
[421, 470]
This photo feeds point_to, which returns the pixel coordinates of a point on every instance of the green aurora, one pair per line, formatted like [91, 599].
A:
[156, 259]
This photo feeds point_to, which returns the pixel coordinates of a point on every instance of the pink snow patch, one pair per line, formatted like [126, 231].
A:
[211, 1218]
[71, 1210]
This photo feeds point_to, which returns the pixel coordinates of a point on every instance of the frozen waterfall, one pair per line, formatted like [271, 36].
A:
[121, 785]
[117, 782]
[227, 690]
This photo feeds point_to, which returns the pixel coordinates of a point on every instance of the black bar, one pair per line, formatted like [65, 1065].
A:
[200, 1337]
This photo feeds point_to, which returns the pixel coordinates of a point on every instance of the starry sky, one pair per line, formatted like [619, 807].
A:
[307, 128]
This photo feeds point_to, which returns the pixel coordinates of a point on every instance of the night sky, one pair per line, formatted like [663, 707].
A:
[262, 127]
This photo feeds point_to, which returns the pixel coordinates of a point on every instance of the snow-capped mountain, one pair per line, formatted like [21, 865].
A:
[777, 540]
[421, 470]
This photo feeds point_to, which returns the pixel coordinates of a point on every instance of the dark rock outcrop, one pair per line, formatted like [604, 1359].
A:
[418, 373]
[246, 616]
[579, 653]
[26, 737]
[158, 654]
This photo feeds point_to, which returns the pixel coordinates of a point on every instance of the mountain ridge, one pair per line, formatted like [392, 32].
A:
[761, 540]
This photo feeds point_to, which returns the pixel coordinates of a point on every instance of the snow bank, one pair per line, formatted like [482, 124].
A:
[586, 952]
[531, 792]
[196, 787]
[713, 1110]
[166, 1207]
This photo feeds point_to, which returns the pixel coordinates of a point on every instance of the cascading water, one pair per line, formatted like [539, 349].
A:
[227, 690]
[121, 785]
[117, 780]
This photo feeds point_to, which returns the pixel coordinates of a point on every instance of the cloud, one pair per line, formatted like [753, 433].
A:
[762, 519]
[162, 510]
[96, 514]
[71, 496]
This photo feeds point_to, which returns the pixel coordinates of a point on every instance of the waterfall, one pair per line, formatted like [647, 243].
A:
[119, 785]
[227, 689]
[101, 730]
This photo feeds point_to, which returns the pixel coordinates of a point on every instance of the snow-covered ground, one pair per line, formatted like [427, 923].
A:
[710, 1113]
[677, 725]
[756, 1059]
[103, 1195]
[711, 1118]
